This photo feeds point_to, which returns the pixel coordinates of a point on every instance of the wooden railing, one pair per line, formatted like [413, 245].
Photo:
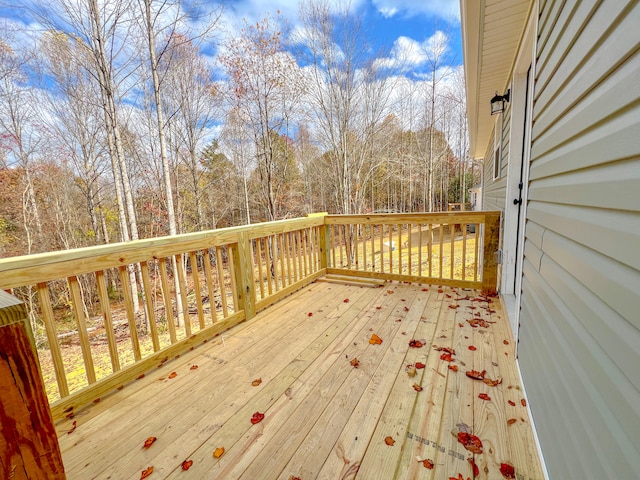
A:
[441, 248]
[109, 313]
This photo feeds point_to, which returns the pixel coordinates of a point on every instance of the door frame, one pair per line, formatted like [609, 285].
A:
[518, 165]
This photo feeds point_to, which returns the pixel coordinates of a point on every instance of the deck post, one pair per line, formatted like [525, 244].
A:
[490, 261]
[28, 442]
[243, 265]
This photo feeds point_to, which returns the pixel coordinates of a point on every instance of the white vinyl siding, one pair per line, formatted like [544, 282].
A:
[579, 340]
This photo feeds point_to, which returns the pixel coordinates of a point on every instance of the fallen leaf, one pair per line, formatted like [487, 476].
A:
[218, 452]
[470, 442]
[415, 344]
[450, 350]
[484, 396]
[453, 367]
[507, 470]
[506, 342]
[256, 382]
[420, 365]
[511, 421]
[186, 465]
[257, 417]
[411, 370]
[428, 463]
[460, 325]
[476, 470]
[148, 442]
[193, 367]
[406, 309]
[354, 362]
[375, 340]
[425, 289]
[446, 357]
[417, 387]
[378, 307]
[523, 402]
[346, 300]
[453, 307]
[492, 383]
[173, 375]
[475, 374]
[73, 427]
[440, 290]
[472, 348]
[310, 314]
[140, 376]
[146, 473]
[389, 441]
[294, 478]
[390, 292]
[512, 403]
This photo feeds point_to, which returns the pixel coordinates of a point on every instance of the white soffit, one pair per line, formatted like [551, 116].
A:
[491, 33]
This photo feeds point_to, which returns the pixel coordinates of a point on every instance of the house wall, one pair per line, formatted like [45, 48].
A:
[495, 189]
[579, 338]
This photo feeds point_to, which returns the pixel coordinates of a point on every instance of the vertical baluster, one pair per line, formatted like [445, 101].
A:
[128, 303]
[232, 276]
[452, 230]
[464, 251]
[476, 258]
[420, 250]
[364, 247]
[166, 297]
[305, 245]
[381, 248]
[210, 288]
[400, 249]
[441, 247]
[390, 248]
[222, 283]
[260, 271]
[184, 301]
[409, 248]
[150, 305]
[81, 324]
[52, 337]
[195, 275]
[282, 253]
[430, 248]
[103, 295]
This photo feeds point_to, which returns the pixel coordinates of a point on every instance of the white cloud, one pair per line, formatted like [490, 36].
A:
[446, 9]
[408, 53]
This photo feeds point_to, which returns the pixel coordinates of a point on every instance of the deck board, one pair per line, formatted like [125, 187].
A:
[323, 417]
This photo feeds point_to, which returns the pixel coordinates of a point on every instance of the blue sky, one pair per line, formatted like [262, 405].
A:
[386, 20]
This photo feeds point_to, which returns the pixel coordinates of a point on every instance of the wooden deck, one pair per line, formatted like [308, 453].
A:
[323, 417]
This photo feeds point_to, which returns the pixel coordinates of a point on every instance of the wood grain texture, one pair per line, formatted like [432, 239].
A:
[324, 418]
[28, 443]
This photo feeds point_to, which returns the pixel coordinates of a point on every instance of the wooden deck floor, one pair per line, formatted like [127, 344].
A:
[323, 417]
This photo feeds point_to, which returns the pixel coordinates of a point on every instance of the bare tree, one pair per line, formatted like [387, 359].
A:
[265, 88]
[21, 134]
[348, 95]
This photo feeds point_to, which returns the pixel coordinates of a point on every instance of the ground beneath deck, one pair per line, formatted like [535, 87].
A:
[335, 405]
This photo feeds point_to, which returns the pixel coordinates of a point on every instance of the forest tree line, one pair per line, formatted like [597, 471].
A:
[120, 123]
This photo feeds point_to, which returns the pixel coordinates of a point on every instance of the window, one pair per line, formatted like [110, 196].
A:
[497, 161]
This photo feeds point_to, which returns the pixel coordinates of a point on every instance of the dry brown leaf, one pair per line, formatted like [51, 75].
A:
[186, 465]
[218, 452]
[511, 421]
[417, 387]
[173, 375]
[428, 463]
[389, 441]
[256, 382]
[375, 339]
[354, 362]
[145, 473]
[148, 442]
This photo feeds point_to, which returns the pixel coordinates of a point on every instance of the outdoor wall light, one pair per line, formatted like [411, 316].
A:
[498, 102]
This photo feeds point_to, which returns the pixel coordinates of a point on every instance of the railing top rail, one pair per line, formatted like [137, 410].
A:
[423, 217]
[31, 269]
